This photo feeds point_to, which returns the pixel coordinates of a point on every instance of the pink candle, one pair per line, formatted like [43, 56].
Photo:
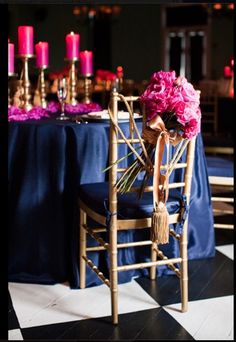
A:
[86, 63]
[72, 45]
[25, 40]
[41, 54]
[10, 58]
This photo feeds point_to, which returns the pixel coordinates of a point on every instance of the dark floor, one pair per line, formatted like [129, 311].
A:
[210, 314]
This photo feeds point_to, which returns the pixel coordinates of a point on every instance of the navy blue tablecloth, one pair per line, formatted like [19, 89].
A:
[48, 160]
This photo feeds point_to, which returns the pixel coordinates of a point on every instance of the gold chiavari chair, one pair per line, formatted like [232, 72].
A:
[126, 211]
[221, 179]
[209, 105]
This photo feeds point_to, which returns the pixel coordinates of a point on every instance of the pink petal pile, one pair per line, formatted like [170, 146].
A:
[37, 113]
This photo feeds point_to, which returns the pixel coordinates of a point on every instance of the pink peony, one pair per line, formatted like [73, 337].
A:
[191, 129]
[170, 97]
[189, 93]
[167, 77]
[186, 115]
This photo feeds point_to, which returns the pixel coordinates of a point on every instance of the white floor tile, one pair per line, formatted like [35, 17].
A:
[227, 250]
[31, 299]
[45, 304]
[207, 319]
[15, 334]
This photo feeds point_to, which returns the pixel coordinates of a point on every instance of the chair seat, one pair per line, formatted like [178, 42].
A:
[129, 206]
[219, 167]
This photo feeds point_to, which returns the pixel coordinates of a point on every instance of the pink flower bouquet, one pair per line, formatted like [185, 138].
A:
[172, 114]
[173, 117]
[175, 101]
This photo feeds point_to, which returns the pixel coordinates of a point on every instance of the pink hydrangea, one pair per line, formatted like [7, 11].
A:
[167, 94]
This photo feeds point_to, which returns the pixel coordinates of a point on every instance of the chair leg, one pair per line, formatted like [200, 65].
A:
[82, 271]
[153, 270]
[113, 275]
[184, 286]
[184, 270]
[114, 301]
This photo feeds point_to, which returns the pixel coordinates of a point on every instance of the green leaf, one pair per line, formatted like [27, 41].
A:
[119, 160]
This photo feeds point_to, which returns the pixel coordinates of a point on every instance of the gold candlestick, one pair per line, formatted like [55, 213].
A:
[26, 97]
[9, 98]
[41, 87]
[87, 89]
[10, 75]
[72, 81]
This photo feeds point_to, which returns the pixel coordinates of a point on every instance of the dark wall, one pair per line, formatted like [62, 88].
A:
[135, 37]
[222, 44]
[136, 41]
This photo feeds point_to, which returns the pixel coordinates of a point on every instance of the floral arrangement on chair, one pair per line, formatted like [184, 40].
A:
[175, 101]
[173, 116]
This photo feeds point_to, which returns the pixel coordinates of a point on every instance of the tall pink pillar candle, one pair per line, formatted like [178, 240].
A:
[72, 45]
[25, 40]
[41, 50]
[10, 58]
[86, 63]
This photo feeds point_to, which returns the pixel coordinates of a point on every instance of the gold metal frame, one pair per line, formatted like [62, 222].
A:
[72, 81]
[26, 96]
[41, 87]
[87, 89]
[116, 225]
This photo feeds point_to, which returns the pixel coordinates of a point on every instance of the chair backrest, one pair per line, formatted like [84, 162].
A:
[182, 154]
[220, 165]
[209, 104]
[220, 174]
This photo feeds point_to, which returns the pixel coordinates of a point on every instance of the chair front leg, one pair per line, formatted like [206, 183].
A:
[82, 250]
[113, 274]
[184, 269]
[153, 270]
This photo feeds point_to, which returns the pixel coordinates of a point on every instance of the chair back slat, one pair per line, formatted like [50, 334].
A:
[185, 162]
[209, 104]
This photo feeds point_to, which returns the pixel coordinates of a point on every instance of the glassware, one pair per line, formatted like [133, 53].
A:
[61, 94]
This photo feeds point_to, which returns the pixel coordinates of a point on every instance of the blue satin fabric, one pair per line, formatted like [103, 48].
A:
[219, 167]
[129, 205]
[47, 162]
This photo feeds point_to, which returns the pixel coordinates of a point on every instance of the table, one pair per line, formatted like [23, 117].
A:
[48, 160]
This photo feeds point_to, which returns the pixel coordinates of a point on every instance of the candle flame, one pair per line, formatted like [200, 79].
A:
[72, 32]
[217, 6]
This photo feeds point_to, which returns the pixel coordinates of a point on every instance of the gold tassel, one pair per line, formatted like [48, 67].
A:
[160, 224]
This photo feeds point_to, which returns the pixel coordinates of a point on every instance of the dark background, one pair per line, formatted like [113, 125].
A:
[132, 38]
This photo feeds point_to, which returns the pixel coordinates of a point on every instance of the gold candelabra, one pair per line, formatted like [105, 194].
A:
[26, 96]
[87, 89]
[10, 76]
[72, 81]
[41, 87]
